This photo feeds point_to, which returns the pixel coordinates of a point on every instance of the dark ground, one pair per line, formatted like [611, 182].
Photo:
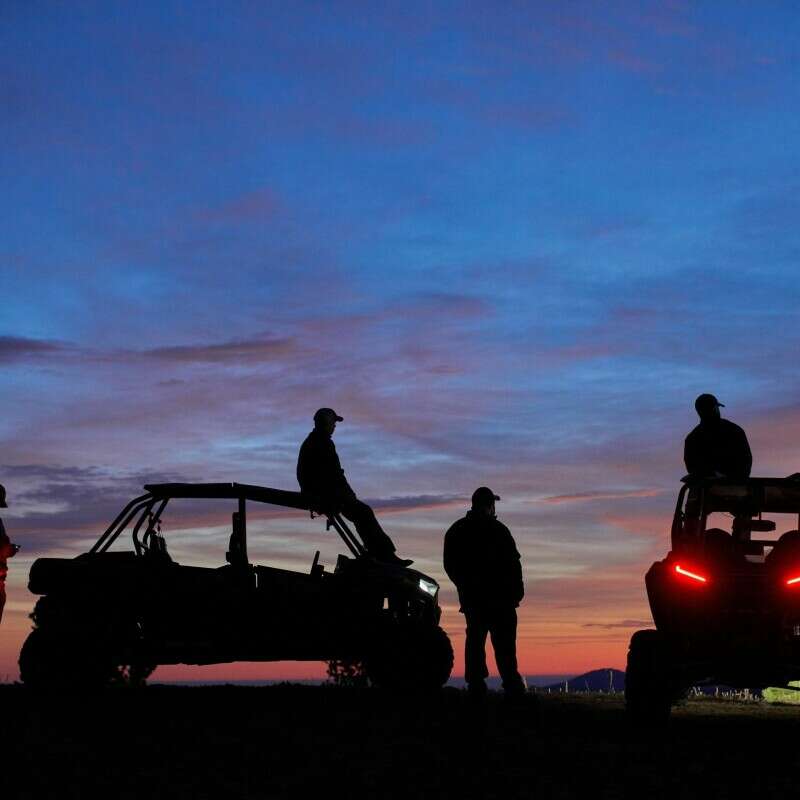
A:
[297, 741]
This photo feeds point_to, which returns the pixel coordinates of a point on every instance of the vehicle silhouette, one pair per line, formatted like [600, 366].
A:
[107, 613]
[726, 606]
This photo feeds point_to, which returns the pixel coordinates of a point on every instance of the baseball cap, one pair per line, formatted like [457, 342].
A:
[707, 401]
[483, 495]
[327, 412]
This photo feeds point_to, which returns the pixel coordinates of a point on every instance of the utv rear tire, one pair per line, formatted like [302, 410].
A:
[410, 657]
[54, 660]
[649, 690]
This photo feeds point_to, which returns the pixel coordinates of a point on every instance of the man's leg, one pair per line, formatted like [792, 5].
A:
[503, 629]
[363, 517]
[475, 670]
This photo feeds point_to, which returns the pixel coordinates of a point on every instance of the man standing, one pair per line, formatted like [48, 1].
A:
[717, 447]
[322, 479]
[7, 550]
[481, 558]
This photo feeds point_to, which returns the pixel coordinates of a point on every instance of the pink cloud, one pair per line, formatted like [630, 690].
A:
[631, 62]
[649, 525]
[533, 116]
[581, 497]
[623, 623]
[404, 133]
[259, 204]
[672, 19]
[247, 351]
[15, 349]
[775, 440]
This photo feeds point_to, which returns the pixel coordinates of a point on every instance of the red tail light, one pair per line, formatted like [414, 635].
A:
[793, 581]
[692, 575]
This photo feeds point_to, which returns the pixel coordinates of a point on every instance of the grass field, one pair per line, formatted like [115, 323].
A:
[292, 741]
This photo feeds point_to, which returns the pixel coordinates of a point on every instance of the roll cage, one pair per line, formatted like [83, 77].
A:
[744, 499]
[146, 510]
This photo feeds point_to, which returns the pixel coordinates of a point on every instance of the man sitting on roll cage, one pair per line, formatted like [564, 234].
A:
[323, 483]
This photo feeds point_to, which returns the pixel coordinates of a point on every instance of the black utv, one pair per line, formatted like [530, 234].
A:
[108, 613]
[726, 605]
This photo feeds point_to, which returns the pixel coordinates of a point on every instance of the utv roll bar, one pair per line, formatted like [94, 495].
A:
[232, 491]
[747, 497]
[159, 494]
[776, 495]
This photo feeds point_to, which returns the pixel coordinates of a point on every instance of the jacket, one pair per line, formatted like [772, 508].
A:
[319, 471]
[718, 446]
[7, 550]
[481, 559]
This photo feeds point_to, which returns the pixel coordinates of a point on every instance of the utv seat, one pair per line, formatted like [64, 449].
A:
[237, 545]
[788, 545]
[721, 547]
[156, 549]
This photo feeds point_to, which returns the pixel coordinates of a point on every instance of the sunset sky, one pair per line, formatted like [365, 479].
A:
[508, 242]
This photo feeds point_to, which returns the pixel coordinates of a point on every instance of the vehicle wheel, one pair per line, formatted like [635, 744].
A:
[136, 674]
[55, 660]
[649, 690]
[411, 657]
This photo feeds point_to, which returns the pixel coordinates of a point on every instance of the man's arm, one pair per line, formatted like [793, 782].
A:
[451, 557]
[690, 455]
[519, 583]
[746, 453]
[335, 473]
[514, 561]
[302, 468]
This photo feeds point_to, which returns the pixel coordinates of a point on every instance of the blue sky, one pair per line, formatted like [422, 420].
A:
[510, 243]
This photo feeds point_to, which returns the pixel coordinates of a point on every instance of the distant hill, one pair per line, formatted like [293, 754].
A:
[598, 680]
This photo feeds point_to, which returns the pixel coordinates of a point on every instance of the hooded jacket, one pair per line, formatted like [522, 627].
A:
[319, 471]
[718, 446]
[481, 559]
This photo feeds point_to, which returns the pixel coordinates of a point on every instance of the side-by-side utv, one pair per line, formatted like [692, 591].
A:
[726, 605]
[108, 612]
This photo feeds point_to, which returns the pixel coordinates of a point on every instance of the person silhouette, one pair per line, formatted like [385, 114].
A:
[322, 480]
[716, 447]
[481, 559]
[7, 550]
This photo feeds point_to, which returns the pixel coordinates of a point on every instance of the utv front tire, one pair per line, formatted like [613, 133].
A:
[648, 689]
[410, 657]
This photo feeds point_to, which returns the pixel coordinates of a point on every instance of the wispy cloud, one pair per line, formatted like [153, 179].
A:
[583, 497]
[50, 505]
[234, 352]
[17, 349]
[257, 205]
[624, 623]
[421, 502]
